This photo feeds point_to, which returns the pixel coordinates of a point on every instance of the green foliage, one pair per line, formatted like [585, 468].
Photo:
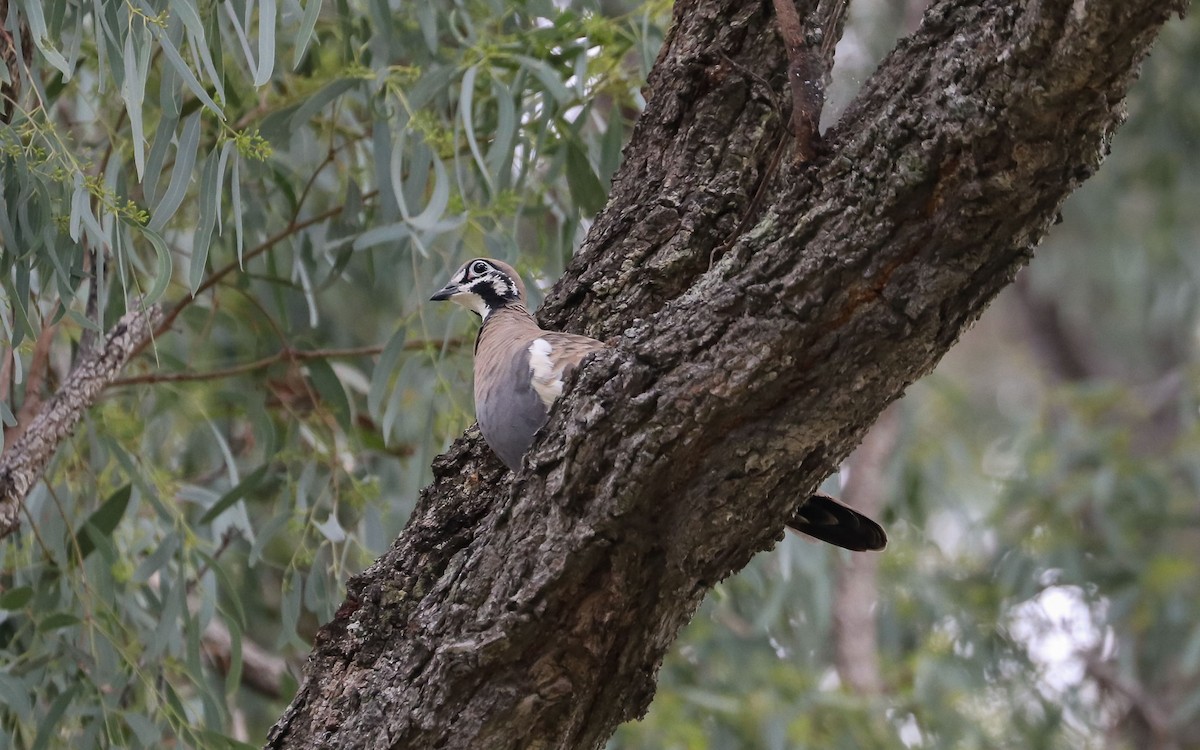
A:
[291, 179]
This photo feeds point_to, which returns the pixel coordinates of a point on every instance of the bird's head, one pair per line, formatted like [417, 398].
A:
[483, 285]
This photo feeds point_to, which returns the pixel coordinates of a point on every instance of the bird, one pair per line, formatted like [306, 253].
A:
[520, 370]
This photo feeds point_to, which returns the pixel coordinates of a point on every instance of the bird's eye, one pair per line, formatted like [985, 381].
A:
[479, 268]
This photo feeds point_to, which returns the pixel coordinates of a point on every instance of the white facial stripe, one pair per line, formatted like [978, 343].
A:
[472, 302]
[546, 378]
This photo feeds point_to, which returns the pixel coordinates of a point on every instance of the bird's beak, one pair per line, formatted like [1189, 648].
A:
[445, 292]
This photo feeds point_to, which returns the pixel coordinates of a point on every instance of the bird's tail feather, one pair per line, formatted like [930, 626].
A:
[826, 519]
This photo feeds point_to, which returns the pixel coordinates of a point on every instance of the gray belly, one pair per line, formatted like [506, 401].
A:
[509, 416]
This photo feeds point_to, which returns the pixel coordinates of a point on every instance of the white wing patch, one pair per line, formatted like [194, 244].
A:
[547, 377]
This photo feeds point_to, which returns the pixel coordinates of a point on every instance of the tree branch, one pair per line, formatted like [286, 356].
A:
[262, 671]
[21, 466]
[534, 613]
[810, 49]
[805, 79]
[1155, 717]
[290, 355]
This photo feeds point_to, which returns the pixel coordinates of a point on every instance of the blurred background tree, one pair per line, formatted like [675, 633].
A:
[291, 180]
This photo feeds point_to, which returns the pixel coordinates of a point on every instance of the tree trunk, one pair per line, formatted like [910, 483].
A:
[856, 593]
[757, 339]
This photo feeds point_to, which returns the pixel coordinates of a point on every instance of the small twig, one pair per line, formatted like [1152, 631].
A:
[752, 208]
[91, 265]
[21, 466]
[226, 540]
[312, 179]
[258, 364]
[768, 91]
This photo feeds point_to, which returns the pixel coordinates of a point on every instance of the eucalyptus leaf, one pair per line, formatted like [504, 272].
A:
[382, 374]
[332, 392]
[238, 492]
[210, 197]
[103, 521]
[466, 110]
[266, 42]
[165, 266]
[48, 726]
[181, 174]
[181, 68]
[304, 34]
[15, 598]
[133, 91]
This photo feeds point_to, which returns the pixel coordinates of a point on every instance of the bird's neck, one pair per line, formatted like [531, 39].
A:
[507, 307]
[510, 313]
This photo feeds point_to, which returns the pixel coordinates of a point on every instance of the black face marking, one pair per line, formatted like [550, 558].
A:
[489, 283]
[495, 289]
[482, 286]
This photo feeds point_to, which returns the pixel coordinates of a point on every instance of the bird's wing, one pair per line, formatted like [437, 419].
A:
[552, 357]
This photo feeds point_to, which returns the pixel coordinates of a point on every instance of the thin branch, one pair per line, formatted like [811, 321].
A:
[810, 60]
[1155, 716]
[833, 21]
[805, 79]
[92, 268]
[215, 278]
[262, 671]
[21, 466]
[294, 355]
[258, 364]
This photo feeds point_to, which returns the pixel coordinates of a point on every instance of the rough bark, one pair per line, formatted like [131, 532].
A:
[534, 612]
[22, 464]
